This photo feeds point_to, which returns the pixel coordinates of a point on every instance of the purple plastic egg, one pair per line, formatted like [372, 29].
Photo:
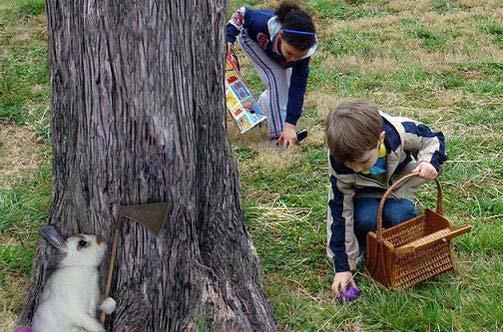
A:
[348, 295]
[23, 329]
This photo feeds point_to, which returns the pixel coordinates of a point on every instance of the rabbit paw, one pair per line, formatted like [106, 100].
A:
[108, 305]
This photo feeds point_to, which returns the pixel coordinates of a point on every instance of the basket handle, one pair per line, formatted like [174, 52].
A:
[448, 237]
[440, 200]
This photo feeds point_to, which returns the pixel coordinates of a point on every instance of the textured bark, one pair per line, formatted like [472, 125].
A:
[138, 117]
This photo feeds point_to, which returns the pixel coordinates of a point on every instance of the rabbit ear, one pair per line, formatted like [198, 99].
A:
[52, 235]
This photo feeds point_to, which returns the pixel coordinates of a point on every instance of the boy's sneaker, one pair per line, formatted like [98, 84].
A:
[301, 135]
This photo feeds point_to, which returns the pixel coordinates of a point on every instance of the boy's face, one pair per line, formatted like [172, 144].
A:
[369, 158]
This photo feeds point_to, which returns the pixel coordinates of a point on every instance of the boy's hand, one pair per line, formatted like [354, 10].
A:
[288, 137]
[341, 281]
[426, 170]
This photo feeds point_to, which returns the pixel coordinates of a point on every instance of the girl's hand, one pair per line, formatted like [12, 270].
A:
[341, 281]
[426, 170]
[288, 137]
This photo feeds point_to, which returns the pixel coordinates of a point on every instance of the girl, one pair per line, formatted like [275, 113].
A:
[280, 44]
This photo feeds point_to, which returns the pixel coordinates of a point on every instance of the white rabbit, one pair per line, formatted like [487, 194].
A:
[71, 295]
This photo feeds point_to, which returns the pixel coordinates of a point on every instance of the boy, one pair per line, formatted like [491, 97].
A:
[370, 150]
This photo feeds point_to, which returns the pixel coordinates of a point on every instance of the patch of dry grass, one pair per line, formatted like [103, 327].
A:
[421, 6]
[25, 31]
[323, 102]
[462, 33]
[12, 293]
[277, 217]
[19, 149]
[316, 138]
[275, 158]
[270, 156]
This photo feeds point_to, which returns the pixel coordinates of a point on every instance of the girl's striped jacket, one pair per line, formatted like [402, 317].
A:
[263, 27]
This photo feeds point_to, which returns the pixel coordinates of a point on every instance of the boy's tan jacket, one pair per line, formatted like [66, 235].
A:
[408, 142]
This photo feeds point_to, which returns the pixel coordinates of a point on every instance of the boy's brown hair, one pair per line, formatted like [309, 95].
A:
[353, 128]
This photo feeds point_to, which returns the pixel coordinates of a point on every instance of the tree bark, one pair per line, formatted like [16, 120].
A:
[138, 117]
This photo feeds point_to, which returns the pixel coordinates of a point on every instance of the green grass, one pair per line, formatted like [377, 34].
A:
[489, 24]
[31, 7]
[413, 80]
[431, 41]
[23, 68]
[495, 30]
[343, 10]
[24, 73]
[350, 41]
[463, 98]
[23, 8]
[25, 206]
[24, 102]
[16, 258]
[443, 6]
[456, 89]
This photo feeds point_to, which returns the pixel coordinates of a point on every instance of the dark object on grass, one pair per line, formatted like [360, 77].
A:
[348, 295]
[301, 135]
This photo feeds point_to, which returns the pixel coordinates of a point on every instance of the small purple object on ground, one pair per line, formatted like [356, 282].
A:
[23, 329]
[348, 295]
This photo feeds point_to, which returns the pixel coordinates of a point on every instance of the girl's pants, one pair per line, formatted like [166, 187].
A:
[277, 80]
[365, 215]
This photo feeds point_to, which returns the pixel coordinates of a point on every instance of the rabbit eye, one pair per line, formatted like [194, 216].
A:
[82, 244]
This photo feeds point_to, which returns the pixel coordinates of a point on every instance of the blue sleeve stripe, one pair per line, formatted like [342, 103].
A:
[297, 90]
[392, 139]
[337, 243]
[421, 130]
[438, 159]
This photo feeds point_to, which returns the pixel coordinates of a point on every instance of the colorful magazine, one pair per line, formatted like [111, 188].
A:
[238, 98]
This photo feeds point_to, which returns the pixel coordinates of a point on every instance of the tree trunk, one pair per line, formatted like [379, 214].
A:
[138, 117]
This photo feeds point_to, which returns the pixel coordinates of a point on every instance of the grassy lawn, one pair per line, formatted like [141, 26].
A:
[438, 61]
[25, 173]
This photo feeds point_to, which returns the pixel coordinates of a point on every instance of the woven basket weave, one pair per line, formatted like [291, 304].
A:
[413, 251]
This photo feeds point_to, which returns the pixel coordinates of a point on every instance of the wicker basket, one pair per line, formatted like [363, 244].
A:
[413, 251]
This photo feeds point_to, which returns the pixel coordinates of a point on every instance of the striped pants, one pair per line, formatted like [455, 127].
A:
[277, 80]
